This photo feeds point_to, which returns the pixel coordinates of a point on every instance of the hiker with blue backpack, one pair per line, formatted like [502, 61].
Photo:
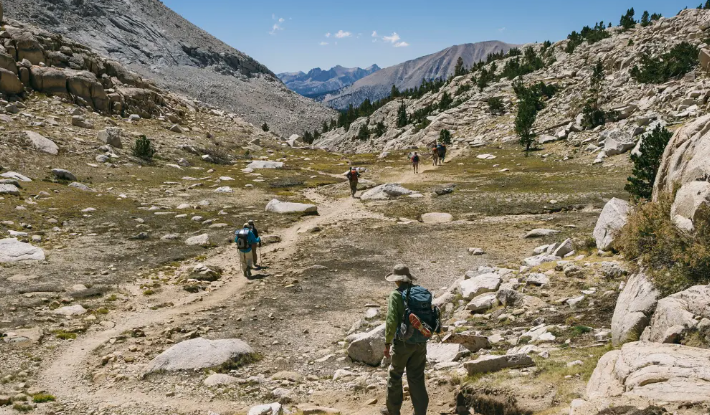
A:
[245, 240]
[411, 321]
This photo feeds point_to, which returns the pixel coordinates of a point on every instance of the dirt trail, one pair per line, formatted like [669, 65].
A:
[64, 376]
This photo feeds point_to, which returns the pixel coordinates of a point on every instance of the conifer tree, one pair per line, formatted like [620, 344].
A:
[647, 163]
[459, 69]
[627, 21]
[402, 115]
[445, 102]
[445, 137]
[646, 18]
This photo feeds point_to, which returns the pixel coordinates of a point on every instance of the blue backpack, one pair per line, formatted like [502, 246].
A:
[418, 301]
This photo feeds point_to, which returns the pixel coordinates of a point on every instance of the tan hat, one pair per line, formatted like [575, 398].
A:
[400, 273]
[246, 225]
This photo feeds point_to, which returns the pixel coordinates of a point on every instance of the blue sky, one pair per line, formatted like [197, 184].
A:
[293, 35]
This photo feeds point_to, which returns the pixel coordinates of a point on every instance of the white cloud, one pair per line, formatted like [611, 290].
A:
[502, 29]
[323, 43]
[401, 44]
[374, 33]
[342, 34]
[392, 39]
[327, 34]
[281, 20]
[277, 26]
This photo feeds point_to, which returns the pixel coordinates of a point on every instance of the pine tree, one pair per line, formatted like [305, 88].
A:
[459, 69]
[445, 137]
[363, 133]
[646, 18]
[707, 5]
[646, 164]
[143, 148]
[265, 127]
[380, 129]
[394, 92]
[445, 102]
[627, 21]
[402, 115]
[308, 137]
[592, 115]
[324, 128]
[528, 106]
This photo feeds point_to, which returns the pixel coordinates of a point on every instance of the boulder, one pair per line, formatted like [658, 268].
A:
[48, 80]
[678, 314]
[537, 279]
[633, 310]
[10, 83]
[445, 352]
[435, 218]
[494, 363]
[28, 47]
[86, 89]
[368, 348]
[9, 189]
[111, 136]
[510, 298]
[652, 372]
[564, 248]
[80, 186]
[688, 200]
[539, 233]
[200, 353]
[617, 142]
[12, 250]
[277, 206]
[537, 260]
[385, 192]
[62, 174]
[479, 284]
[42, 143]
[612, 219]
[70, 310]
[201, 240]
[270, 409]
[219, 379]
[704, 58]
[15, 176]
[482, 303]
[262, 164]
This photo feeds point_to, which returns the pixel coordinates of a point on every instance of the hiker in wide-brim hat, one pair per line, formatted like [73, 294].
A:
[407, 351]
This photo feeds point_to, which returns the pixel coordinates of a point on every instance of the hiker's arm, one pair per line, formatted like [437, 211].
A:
[394, 315]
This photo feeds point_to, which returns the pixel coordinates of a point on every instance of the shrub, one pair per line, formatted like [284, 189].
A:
[674, 259]
[592, 116]
[143, 148]
[363, 133]
[43, 397]
[680, 60]
[445, 101]
[380, 129]
[495, 105]
[590, 34]
[265, 127]
[445, 137]
[218, 155]
[65, 335]
[462, 89]
[646, 164]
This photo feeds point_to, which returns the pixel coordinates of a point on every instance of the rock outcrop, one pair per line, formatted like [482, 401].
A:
[277, 206]
[679, 314]
[612, 219]
[634, 309]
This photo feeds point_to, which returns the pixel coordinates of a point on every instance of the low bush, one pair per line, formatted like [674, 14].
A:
[680, 60]
[495, 105]
[143, 148]
[674, 259]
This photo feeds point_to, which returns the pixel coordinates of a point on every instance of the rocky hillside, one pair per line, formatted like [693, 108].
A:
[639, 107]
[149, 38]
[410, 73]
[317, 82]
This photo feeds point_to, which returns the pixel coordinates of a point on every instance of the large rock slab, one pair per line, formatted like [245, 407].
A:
[479, 284]
[267, 409]
[368, 348]
[633, 310]
[678, 314]
[15, 176]
[201, 240]
[263, 164]
[9, 83]
[471, 342]
[42, 143]
[445, 353]
[277, 206]
[688, 200]
[12, 250]
[386, 192]
[63, 174]
[612, 219]
[9, 189]
[70, 310]
[482, 303]
[540, 233]
[652, 371]
[617, 142]
[219, 379]
[436, 217]
[494, 363]
[200, 353]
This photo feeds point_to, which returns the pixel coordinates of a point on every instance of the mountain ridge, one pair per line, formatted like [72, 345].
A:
[320, 82]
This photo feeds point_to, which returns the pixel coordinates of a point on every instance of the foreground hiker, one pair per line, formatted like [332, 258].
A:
[411, 321]
[353, 175]
[245, 239]
[435, 155]
[255, 257]
[441, 149]
[415, 162]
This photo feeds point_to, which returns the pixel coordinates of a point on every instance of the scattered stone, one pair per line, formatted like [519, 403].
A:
[200, 353]
[436, 218]
[277, 206]
[111, 136]
[262, 164]
[72, 310]
[386, 192]
[62, 174]
[445, 352]
[42, 143]
[540, 233]
[476, 251]
[9, 189]
[270, 409]
[482, 303]
[201, 240]
[219, 379]
[471, 342]
[537, 279]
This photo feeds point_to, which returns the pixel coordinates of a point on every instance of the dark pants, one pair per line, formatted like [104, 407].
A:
[413, 358]
[253, 253]
[353, 188]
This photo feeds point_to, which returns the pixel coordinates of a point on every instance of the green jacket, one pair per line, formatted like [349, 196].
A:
[395, 311]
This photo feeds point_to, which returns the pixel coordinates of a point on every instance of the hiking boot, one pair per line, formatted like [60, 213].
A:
[384, 411]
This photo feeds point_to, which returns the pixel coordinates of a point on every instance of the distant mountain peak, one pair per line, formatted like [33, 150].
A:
[318, 82]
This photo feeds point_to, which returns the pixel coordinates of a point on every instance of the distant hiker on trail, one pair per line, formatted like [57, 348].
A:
[255, 257]
[441, 149]
[353, 175]
[415, 162]
[245, 239]
[411, 321]
[435, 155]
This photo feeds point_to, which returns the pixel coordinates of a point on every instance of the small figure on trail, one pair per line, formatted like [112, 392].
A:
[441, 149]
[353, 175]
[411, 321]
[415, 162]
[245, 239]
[435, 155]
[255, 257]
